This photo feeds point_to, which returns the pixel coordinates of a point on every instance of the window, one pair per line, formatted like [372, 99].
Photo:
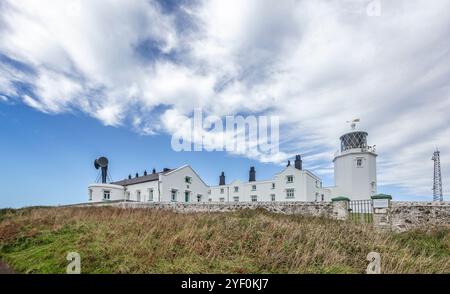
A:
[221, 190]
[254, 198]
[236, 189]
[272, 197]
[209, 192]
[290, 193]
[290, 179]
[128, 195]
[90, 194]
[253, 187]
[273, 185]
[188, 180]
[199, 197]
[323, 198]
[221, 199]
[359, 162]
[187, 196]
[138, 195]
[174, 195]
[106, 195]
[236, 199]
[150, 194]
[209, 199]
[373, 185]
[317, 197]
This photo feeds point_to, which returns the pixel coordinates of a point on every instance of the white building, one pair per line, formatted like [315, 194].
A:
[354, 172]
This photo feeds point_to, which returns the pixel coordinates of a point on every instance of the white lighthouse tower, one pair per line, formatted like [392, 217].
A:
[355, 166]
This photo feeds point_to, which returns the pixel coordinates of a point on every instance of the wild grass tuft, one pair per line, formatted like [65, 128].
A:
[112, 240]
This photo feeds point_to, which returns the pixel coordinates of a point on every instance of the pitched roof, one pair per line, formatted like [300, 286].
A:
[143, 179]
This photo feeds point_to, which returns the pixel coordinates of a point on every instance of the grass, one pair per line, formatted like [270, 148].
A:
[112, 240]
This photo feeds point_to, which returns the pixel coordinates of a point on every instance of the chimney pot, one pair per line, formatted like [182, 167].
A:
[252, 174]
[298, 162]
[222, 179]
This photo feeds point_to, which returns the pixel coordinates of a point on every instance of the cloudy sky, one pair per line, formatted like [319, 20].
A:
[139, 66]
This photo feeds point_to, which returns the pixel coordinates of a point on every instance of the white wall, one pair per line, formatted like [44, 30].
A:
[352, 181]
[175, 180]
[96, 192]
[143, 188]
[304, 185]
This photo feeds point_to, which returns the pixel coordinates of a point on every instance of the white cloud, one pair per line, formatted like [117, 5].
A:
[315, 64]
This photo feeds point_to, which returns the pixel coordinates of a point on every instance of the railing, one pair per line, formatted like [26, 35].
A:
[361, 211]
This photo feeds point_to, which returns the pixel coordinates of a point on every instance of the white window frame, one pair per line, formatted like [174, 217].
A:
[236, 189]
[253, 187]
[138, 195]
[272, 197]
[222, 190]
[90, 194]
[290, 193]
[150, 194]
[222, 199]
[359, 162]
[236, 198]
[106, 192]
[254, 198]
[173, 195]
[273, 186]
[291, 177]
[199, 197]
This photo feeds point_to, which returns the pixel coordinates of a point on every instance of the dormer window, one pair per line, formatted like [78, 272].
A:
[290, 179]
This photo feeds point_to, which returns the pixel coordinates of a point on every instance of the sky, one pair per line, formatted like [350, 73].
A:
[80, 79]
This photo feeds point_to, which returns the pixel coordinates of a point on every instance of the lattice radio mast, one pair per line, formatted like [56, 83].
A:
[437, 180]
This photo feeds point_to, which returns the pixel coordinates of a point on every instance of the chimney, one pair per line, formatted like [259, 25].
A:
[137, 175]
[298, 162]
[289, 163]
[154, 171]
[145, 172]
[252, 174]
[222, 179]
[129, 177]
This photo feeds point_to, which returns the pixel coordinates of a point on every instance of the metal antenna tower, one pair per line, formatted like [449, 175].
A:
[437, 180]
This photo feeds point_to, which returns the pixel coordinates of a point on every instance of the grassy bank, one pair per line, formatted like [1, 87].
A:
[112, 240]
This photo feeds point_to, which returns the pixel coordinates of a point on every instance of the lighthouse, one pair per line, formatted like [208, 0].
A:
[355, 166]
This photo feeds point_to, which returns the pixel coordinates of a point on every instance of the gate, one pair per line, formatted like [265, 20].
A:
[361, 211]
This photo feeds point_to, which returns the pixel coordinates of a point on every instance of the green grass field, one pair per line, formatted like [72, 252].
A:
[111, 240]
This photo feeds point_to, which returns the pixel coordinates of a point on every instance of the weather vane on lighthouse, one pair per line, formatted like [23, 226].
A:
[353, 123]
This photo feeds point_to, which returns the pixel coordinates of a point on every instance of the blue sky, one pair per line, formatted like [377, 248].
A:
[79, 79]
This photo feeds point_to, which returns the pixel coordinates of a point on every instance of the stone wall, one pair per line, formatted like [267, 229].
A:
[404, 216]
[322, 209]
[398, 216]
